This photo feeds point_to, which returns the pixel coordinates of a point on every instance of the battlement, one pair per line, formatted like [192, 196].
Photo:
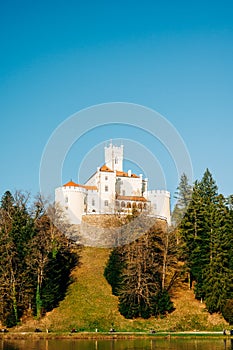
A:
[73, 189]
[159, 192]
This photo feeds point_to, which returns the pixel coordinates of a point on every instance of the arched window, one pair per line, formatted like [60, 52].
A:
[122, 204]
[128, 205]
[139, 205]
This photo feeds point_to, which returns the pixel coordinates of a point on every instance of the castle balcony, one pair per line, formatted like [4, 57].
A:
[125, 204]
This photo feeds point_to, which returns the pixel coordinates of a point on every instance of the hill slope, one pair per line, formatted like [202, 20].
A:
[89, 304]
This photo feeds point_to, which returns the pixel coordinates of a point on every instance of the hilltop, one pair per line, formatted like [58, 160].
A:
[89, 304]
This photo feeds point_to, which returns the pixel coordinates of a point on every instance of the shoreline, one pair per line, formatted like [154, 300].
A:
[116, 335]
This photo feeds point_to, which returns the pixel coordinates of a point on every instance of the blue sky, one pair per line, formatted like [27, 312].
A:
[59, 57]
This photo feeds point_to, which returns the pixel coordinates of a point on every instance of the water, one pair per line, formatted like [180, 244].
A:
[136, 344]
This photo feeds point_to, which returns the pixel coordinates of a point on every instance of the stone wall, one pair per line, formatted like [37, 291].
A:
[112, 230]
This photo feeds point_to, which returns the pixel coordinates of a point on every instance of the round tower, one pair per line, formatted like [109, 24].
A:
[72, 198]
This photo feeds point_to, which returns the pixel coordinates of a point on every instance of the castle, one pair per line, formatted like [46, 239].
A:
[110, 190]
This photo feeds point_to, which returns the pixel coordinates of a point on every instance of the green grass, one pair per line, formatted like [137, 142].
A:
[89, 304]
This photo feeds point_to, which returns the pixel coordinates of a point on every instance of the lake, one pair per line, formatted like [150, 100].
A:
[136, 344]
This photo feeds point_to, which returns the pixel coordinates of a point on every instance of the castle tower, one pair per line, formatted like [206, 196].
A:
[114, 157]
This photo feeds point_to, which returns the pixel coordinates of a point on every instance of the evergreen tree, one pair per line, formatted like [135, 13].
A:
[196, 230]
[50, 260]
[114, 268]
[218, 277]
[7, 202]
[227, 311]
[183, 195]
[36, 258]
[16, 231]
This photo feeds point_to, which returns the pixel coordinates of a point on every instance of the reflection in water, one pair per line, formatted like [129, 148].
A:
[135, 344]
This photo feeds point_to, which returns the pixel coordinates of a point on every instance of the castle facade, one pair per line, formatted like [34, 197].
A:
[110, 190]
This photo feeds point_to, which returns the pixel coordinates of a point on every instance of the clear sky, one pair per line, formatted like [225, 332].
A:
[59, 57]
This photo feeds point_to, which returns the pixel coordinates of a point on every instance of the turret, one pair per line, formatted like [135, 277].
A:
[114, 157]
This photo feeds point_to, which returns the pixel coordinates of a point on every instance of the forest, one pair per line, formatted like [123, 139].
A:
[197, 249]
[36, 258]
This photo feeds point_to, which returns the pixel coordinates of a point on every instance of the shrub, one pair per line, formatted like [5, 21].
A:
[227, 311]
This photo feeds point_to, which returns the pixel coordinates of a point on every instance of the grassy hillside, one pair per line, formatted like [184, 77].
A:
[89, 304]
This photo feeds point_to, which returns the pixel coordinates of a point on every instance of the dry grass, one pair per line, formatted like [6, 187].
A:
[89, 304]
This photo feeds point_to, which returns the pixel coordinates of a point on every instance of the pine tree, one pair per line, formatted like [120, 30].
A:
[196, 230]
[183, 195]
[16, 231]
[218, 277]
[51, 257]
[36, 258]
[114, 268]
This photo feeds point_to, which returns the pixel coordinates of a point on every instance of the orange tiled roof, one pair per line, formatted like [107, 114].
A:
[106, 168]
[132, 198]
[124, 174]
[118, 173]
[89, 187]
[72, 183]
[134, 175]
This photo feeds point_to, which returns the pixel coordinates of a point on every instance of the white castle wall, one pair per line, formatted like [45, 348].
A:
[92, 201]
[114, 157]
[78, 201]
[131, 186]
[72, 200]
[106, 191]
[160, 203]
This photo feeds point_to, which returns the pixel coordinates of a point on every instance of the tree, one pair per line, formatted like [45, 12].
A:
[16, 230]
[218, 277]
[50, 259]
[207, 239]
[196, 230]
[227, 311]
[183, 195]
[146, 271]
[114, 268]
[36, 257]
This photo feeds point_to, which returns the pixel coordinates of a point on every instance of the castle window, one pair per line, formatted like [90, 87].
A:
[123, 193]
[106, 188]
[106, 178]
[106, 203]
[93, 202]
[116, 161]
[122, 204]
[139, 205]
[66, 199]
